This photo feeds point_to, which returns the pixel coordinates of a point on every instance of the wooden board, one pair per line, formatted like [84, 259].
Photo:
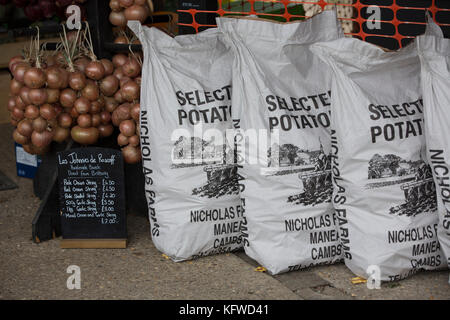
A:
[93, 243]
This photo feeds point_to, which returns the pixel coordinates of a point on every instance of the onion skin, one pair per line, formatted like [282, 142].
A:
[119, 97]
[17, 114]
[84, 136]
[11, 103]
[91, 91]
[131, 154]
[122, 140]
[110, 104]
[15, 87]
[14, 60]
[96, 120]
[25, 128]
[39, 124]
[118, 18]
[24, 95]
[105, 130]
[105, 117]
[120, 114]
[41, 139]
[54, 77]
[67, 97]
[84, 120]
[19, 71]
[34, 78]
[109, 85]
[82, 105]
[133, 141]
[52, 95]
[95, 107]
[115, 5]
[20, 139]
[65, 120]
[131, 68]
[61, 134]
[126, 3]
[95, 70]
[108, 65]
[81, 64]
[77, 80]
[38, 96]
[130, 91]
[31, 112]
[136, 12]
[127, 127]
[18, 102]
[119, 60]
[135, 112]
[48, 112]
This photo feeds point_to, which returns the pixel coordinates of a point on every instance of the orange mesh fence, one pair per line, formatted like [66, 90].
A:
[400, 20]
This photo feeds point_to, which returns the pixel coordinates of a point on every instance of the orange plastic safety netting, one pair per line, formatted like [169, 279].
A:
[399, 20]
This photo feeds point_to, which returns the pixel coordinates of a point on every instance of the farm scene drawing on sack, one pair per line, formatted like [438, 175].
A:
[414, 178]
[216, 160]
[313, 169]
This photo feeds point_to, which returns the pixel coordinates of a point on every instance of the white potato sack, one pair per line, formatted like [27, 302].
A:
[281, 108]
[383, 190]
[434, 53]
[190, 174]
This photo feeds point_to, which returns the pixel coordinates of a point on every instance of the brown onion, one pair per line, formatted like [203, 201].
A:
[119, 97]
[15, 86]
[11, 103]
[67, 97]
[118, 18]
[95, 107]
[19, 103]
[34, 78]
[81, 64]
[95, 70]
[82, 105]
[127, 127]
[133, 140]
[96, 120]
[135, 111]
[126, 3]
[121, 113]
[105, 117]
[31, 112]
[115, 5]
[109, 85]
[108, 65]
[14, 60]
[84, 136]
[42, 139]
[122, 140]
[54, 77]
[90, 91]
[20, 139]
[52, 95]
[105, 130]
[47, 111]
[110, 104]
[38, 96]
[84, 120]
[25, 127]
[39, 124]
[131, 68]
[65, 120]
[121, 40]
[130, 91]
[60, 134]
[131, 154]
[119, 60]
[19, 71]
[24, 95]
[74, 113]
[77, 80]
[136, 12]
[17, 114]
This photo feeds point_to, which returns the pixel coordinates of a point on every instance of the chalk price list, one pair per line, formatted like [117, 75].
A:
[90, 198]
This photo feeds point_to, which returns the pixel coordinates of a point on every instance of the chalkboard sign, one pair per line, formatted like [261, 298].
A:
[92, 197]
